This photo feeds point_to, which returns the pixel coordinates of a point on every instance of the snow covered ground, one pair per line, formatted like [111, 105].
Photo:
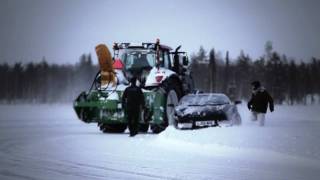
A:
[48, 142]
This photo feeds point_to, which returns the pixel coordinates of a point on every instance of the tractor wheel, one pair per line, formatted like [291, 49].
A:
[157, 128]
[143, 128]
[113, 128]
[173, 94]
[84, 115]
[100, 125]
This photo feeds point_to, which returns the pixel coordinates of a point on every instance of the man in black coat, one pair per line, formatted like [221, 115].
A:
[132, 101]
[259, 102]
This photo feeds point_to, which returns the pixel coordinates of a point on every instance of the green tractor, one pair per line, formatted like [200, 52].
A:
[163, 75]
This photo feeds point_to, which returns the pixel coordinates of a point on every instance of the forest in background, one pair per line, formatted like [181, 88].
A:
[287, 79]
[45, 83]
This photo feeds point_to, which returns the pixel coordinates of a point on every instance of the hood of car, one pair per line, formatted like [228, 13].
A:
[199, 110]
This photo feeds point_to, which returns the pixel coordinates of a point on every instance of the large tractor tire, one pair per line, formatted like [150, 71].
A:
[157, 128]
[113, 128]
[83, 115]
[143, 128]
[173, 93]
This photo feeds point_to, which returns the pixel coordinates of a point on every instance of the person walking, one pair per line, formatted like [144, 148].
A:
[259, 102]
[132, 101]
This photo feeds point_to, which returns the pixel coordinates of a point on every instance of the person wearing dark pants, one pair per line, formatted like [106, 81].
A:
[133, 121]
[132, 101]
[259, 102]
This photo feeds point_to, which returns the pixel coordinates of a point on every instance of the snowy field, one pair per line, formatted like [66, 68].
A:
[40, 142]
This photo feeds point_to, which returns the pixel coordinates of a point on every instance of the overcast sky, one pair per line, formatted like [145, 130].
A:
[61, 30]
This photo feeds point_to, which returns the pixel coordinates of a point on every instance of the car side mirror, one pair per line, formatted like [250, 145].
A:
[237, 102]
[185, 61]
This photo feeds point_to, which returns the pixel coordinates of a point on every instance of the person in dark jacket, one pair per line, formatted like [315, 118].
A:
[132, 101]
[259, 102]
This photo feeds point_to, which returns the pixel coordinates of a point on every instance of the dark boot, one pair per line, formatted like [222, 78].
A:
[133, 133]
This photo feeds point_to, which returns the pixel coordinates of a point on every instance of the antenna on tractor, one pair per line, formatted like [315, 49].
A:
[157, 47]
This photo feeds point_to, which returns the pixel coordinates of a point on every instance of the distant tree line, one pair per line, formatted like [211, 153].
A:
[45, 83]
[286, 79]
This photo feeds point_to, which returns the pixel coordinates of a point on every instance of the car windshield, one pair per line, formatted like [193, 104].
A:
[138, 58]
[205, 99]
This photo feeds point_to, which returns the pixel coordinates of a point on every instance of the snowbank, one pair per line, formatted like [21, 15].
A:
[49, 142]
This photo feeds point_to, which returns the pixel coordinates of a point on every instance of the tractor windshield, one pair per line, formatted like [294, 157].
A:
[138, 58]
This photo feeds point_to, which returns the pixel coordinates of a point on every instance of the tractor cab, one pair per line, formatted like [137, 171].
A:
[140, 59]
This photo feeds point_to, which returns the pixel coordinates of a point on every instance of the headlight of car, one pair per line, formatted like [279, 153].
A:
[178, 112]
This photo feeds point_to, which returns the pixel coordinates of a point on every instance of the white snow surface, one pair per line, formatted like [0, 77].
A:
[39, 142]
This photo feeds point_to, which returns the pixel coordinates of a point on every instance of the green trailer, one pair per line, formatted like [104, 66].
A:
[96, 107]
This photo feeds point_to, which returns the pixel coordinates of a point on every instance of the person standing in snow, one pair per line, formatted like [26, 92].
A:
[259, 101]
[132, 101]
